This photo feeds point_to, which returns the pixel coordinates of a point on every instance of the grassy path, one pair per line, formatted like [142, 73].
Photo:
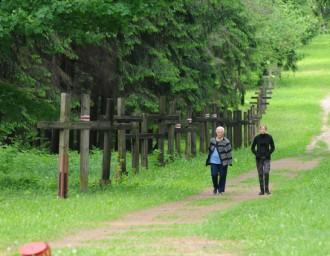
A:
[237, 226]
[197, 224]
[162, 221]
[295, 220]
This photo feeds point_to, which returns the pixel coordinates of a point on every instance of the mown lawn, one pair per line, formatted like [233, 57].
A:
[293, 221]
[296, 219]
[30, 210]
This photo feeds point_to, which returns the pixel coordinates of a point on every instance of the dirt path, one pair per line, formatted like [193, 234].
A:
[193, 209]
[325, 130]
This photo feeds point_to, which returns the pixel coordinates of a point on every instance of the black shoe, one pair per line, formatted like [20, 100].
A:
[214, 191]
[267, 183]
[261, 182]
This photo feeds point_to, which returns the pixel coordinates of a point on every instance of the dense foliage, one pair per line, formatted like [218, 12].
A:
[203, 52]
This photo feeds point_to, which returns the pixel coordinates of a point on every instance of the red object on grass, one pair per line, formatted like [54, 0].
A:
[35, 249]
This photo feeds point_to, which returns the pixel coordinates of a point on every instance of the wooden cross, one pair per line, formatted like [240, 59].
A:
[85, 125]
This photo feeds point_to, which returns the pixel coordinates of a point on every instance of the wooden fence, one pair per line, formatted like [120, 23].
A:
[173, 125]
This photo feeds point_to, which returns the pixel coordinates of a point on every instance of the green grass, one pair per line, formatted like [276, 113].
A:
[30, 210]
[296, 213]
[295, 220]
[294, 114]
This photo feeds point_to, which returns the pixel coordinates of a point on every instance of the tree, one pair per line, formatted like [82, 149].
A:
[201, 52]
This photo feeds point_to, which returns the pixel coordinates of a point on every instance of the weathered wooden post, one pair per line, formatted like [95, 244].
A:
[246, 132]
[256, 105]
[178, 135]
[250, 132]
[193, 139]
[229, 121]
[162, 111]
[84, 142]
[255, 120]
[94, 114]
[144, 148]
[106, 161]
[193, 143]
[64, 147]
[64, 125]
[202, 144]
[262, 97]
[207, 129]
[121, 137]
[188, 138]
[135, 148]
[238, 129]
[258, 117]
[171, 132]
[266, 87]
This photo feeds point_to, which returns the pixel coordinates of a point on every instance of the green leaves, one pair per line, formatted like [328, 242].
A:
[19, 112]
[197, 51]
[281, 27]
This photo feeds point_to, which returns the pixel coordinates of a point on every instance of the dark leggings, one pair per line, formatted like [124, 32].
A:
[263, 167]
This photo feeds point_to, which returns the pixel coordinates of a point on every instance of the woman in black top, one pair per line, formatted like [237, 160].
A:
[265, 147]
